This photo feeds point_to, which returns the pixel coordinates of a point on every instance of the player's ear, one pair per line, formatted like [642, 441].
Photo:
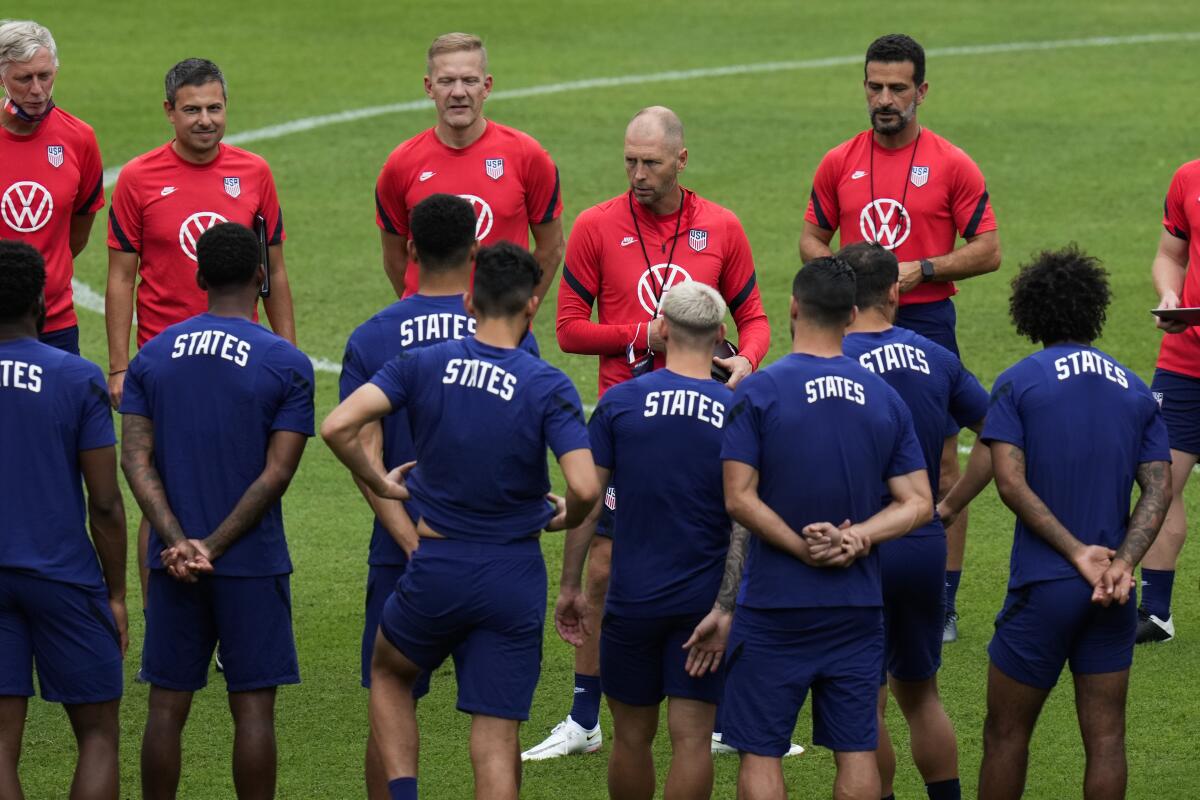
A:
[411, 247]
[853, 316]
[469, 303]
[201, 282]
[532, 306]
[474, 251]
[260, 275]
[683, 156]
[894, 294]
[722, 330]
[428, 85]
[793, 308]
[921, 91]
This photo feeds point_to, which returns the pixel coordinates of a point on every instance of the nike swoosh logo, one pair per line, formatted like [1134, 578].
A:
[167, 190]
[426, 176]
[858, 174]
[628, 240]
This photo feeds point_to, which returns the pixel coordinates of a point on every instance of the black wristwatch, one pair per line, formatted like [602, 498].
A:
[926, 270]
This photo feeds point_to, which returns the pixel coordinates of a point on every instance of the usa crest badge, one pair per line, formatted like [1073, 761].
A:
[54, 154]
[233, 187]
[494, 168]
[919, 176]
[697, 239]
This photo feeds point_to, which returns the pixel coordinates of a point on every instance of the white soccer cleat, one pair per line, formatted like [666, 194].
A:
[568, 738]
[720, 748]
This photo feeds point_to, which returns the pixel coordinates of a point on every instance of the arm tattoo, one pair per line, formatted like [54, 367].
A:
[1154, 479]
[137, 461]
[1034, 513]
[254, 502]
[735, 559]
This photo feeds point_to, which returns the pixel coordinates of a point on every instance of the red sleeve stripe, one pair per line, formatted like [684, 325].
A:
[387, 222]
[744, 294]
[83, 207]
[120, 234]
[574, 283]
[821, 218]
[549, 215]
[977, 217]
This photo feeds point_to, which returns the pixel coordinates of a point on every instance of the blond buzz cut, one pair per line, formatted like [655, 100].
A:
[695, 307]
[455, 43]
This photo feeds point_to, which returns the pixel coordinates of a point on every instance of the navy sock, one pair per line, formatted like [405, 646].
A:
[952, 579]
[586, 708]
[403, 789]
[944, 790]
[1156, 591]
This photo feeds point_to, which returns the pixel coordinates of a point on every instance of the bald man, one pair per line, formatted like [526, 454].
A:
[623, 256]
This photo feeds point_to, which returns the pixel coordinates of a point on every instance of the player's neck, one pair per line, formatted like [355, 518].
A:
[894, 141]
[194, 157]
[15, 125]
[689, 363]
[669, 203]
[506, 332]
[24, 328]
[814, 340]
[870, 320]
[1066, 343]
[233, 304]
[460, 138]
[442, 284]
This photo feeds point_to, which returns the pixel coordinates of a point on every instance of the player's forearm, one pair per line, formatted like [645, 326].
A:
[585, 337]
[280, 311]
[575, 549]
[1154, 480]
[81, 231]
[118, 319]
[548, 255]
[261, 495]
[977, 475]
[735, 562]
[748, 509]
[342, 436]
[813, 246]
[1168, 276]
[1009, 465]
[896, 519]
[106, 517]
[754, 334]
[137, 462]
[395, 260]
[978, 256]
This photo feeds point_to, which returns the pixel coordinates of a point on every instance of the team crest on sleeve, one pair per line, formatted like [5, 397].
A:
[919, 176]
[610, 499]
[697, 239]
[494, 168]
[1158, 398]
[54, 154]
[233, 187]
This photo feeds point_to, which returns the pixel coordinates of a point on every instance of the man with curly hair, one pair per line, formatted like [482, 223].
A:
[1070, 430]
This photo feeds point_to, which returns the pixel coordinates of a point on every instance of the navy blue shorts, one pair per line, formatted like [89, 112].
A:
[1047, 624]
[483, 604]
[642, 661]
[66, 339]
[777, 655]
[67, 630]
[607, 522]
[936, 322]
[250, 617]
[381, 582]
[914, 605]
[1179, 398]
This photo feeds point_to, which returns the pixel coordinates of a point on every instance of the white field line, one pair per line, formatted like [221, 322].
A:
[86, 297]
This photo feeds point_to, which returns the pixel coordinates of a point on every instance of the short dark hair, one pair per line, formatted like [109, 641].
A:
[824, 290]
[876, 271]
[896, 47]
[505, 277]
[442, 227]
[22, 279]
[227, 255]
[192, 72]
[1060, 296]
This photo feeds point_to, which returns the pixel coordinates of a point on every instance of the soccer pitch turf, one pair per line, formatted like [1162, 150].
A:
[1077, 139]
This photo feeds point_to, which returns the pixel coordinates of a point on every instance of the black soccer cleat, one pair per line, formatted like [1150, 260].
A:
[1151, 629]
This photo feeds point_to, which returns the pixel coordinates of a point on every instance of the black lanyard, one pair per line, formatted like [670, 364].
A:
[907, 176]
[660, 286]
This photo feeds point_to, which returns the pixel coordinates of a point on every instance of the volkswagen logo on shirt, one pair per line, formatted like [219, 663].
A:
[192, 229]
[650, 292]
[885, 222]
[26, 206]
[483, 215]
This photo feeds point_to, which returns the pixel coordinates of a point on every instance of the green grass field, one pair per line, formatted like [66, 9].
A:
[1078, 143]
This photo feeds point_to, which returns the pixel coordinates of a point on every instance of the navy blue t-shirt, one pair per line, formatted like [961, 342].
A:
[481, 418]
[660, 434]
[416, 321]
[52, 406]
[1085, 422]
[216, 388]
[932, 382]
[825, 436]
